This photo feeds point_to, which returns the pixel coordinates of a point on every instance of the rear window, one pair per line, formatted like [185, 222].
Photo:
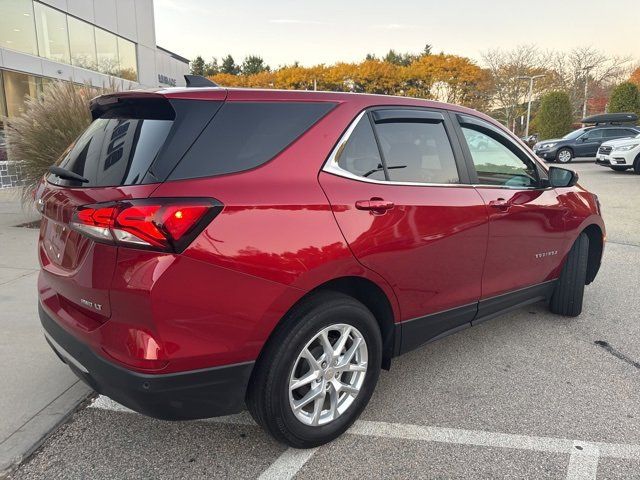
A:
[117, 148]
[244, 135]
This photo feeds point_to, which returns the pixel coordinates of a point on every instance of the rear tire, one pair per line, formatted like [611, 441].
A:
[569, 290]
[285, 362]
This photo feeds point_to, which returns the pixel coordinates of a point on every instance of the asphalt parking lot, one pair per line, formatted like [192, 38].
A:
[527, 395]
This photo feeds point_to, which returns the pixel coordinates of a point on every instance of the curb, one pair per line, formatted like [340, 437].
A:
[23, 442]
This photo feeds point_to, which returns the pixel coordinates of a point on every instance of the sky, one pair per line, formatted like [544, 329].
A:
[326, 31]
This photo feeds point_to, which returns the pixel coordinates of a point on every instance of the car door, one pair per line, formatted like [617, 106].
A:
[526, 218]
[588, 144]
[396, 184]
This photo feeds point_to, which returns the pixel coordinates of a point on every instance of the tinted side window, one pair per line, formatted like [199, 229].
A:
[595, 134]
[417, 152]
[495, 158]
[244, 135]
[360, 154]
[618, 133]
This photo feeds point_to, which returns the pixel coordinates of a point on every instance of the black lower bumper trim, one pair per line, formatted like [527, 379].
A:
[189, 395]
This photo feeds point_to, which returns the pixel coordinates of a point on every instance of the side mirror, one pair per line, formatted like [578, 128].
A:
[562, 178]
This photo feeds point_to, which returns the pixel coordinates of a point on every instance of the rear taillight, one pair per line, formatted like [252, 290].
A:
[167, 224]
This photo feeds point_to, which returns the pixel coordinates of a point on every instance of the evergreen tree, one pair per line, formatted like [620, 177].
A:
[625, 98]
[254, 64]
[229, 66]
[212, 68]
[197, 66]
[555, 115]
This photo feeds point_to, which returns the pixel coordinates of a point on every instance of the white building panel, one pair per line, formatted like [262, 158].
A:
[126, 13]
[56, 70]
[22, 62]
[59, 4]
[147, 75]
[82, 9]
[145, 23]
[105, 14]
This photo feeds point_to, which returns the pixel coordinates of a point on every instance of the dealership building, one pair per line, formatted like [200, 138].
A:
[97, 42]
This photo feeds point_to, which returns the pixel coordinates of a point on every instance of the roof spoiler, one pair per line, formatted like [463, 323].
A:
[196, 81]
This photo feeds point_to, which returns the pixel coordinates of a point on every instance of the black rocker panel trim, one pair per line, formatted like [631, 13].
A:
[413, 333]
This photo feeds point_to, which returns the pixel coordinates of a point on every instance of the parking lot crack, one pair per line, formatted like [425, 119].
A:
[608, 348]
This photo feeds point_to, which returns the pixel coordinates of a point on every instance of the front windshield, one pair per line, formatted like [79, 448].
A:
[574, 134]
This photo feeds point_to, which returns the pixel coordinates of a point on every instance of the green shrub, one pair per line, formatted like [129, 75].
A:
[555, 115]
[625, 98]
[49, 124]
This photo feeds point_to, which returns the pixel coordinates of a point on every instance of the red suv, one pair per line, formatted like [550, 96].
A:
[207, 249]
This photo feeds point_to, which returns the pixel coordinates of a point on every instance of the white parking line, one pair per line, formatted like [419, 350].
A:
[583, 456]
[583, 462]
[287, 464]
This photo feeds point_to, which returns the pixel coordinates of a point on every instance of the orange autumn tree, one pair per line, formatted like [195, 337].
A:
[635, 77]
[448, 78]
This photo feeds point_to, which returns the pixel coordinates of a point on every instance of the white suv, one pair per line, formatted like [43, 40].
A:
[620, 154]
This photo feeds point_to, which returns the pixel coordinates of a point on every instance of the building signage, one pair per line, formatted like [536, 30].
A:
[166, 80]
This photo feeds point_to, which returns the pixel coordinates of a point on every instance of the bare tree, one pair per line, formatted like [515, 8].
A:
[506, 69]
[584, 64]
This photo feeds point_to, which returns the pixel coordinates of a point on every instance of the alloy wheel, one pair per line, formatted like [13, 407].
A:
[564, 156]
[328, 374]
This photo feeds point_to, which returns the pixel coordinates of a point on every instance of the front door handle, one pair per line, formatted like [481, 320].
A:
[375, 205]
[499, 204]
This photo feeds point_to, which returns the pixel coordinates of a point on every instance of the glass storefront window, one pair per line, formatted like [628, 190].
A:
[82, 41]
[17, 87]
[107, 49]
[17, 31]
[53, 36]
[128, 63]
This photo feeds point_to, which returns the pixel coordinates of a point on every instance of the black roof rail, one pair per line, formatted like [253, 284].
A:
[195, 81]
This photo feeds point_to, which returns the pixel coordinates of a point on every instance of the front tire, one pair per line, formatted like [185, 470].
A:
[636, 165]
[569, 290]
[317, 372]
[564, 155]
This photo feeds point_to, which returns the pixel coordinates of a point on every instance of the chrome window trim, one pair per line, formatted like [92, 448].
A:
[331, 164]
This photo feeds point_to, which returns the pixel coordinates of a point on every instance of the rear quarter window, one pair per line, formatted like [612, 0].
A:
[245, 135]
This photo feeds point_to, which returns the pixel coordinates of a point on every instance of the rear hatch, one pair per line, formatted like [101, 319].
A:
[129, 149]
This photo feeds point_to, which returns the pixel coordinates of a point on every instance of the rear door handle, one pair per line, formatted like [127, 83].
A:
[499, 204]
[375, 205]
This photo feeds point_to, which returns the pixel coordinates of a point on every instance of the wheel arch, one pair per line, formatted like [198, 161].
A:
[596, 246]
[370, 295]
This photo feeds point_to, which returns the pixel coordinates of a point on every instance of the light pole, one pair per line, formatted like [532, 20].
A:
[531, 80]
[586, 88]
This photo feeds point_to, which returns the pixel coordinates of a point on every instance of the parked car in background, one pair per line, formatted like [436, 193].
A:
[530, 140]
[203, 250]
[583, 142]
[621, 154]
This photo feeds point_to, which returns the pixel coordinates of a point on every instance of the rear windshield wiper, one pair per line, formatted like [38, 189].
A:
[67, 174]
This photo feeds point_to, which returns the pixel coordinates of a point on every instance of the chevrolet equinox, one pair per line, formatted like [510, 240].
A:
[205, 250]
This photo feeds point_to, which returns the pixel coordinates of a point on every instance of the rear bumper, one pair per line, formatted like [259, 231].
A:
[177, 396]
